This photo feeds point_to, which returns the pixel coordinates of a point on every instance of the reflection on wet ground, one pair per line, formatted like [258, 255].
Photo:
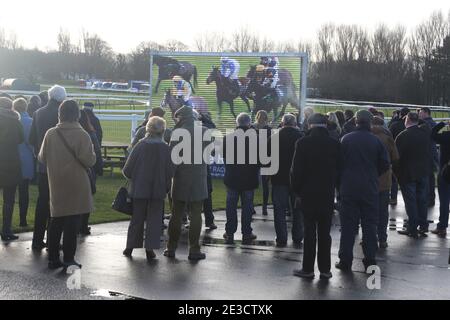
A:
[409, 268]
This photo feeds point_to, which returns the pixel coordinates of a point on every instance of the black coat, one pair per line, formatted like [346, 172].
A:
[364, 159]
[396, 127]
[240, 177]
[443, 139]
[98, 166]
[44, 118]
[150, 169]
[414, 148]
[349, 126]
[95, 122]
[288, 137]
[333, 131]
[11, 135]
[315, 170]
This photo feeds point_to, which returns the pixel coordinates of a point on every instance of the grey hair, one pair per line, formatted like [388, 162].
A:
[156, 125]
[243, 120]
[289, 120]
[6, 103]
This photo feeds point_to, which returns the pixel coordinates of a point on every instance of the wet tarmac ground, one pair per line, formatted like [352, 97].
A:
[410, 269]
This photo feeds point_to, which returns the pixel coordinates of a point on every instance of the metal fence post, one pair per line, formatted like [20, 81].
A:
[134, 125]
[150, 82]
[303, 90]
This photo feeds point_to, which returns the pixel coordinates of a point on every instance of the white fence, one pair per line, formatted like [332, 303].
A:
[134, 117]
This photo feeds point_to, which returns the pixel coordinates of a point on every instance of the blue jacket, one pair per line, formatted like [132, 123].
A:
[25, 149]
[363, 158]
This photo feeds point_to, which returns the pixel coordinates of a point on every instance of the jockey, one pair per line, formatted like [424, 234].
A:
[229, 69]
[271, 81]
[182, 90]
[270, 62]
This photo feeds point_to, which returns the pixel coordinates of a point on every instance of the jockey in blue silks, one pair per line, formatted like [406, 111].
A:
[229, 68]
[182, 90]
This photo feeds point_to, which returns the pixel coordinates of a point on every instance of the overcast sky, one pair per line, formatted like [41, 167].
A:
[124, 24]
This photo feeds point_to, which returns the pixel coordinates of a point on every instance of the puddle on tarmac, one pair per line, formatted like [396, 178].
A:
[104, 293]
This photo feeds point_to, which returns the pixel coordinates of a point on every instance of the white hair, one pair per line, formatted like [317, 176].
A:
[57, 93]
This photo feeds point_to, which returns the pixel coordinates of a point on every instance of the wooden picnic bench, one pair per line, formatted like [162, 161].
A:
[114, 155]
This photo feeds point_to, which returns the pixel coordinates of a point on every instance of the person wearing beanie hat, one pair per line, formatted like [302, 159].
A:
[398, 126]
[44, 119]
[88, 105]
[33, 105]
[94, 120]
[11, 136]
[43, 95]
[364, 117]
[313, 178]
[364, 158]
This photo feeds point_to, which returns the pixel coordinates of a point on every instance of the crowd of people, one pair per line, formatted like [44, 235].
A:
[352, 163]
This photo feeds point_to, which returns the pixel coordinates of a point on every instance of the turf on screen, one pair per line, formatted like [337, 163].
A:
[225, 84]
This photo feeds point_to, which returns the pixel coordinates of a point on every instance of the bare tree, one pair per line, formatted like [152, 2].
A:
[121, 66]
[427, 36]
[363, 45]
[241, 40]
[94, 46]
[211, 42]
[267, 45]
[64, 41]
[175, 45]
[255, 44]
[3, 41]
[287, 46]
[325, 41]
[346, 42]
[381, 45]
[398, 43]
[13, 41]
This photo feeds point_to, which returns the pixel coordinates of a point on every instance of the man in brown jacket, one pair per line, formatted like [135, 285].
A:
[385, 180]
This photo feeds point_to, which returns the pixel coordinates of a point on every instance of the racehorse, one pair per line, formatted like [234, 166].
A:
[169, 67]
[262, 97]
[287, 86]
[169, 100]
[226, 91]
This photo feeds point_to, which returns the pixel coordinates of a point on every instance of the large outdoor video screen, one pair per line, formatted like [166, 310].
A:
[224, 85]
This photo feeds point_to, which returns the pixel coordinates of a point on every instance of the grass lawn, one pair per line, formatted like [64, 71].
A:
[107, 187]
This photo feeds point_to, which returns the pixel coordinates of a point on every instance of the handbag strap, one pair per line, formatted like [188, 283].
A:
[64, 141]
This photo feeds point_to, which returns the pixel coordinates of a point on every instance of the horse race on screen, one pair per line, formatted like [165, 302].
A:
[224, 85]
